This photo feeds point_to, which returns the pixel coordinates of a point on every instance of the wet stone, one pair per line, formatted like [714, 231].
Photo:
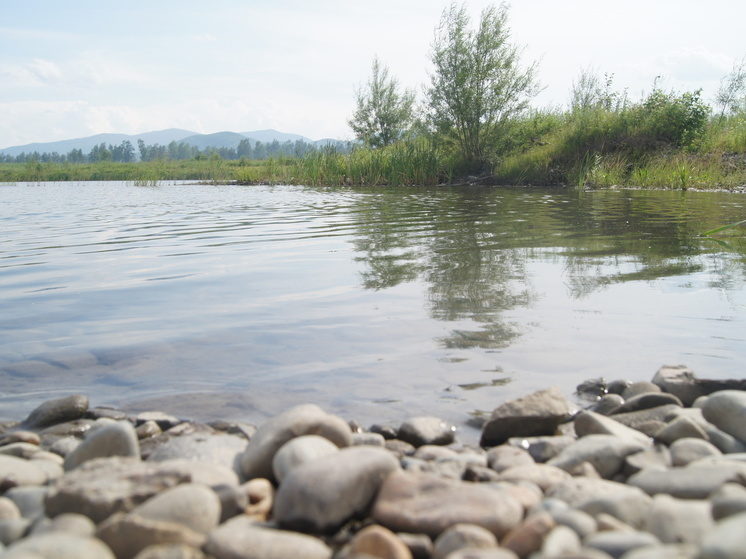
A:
[542, 449]
[419, 431]
[635, 389]
[607, 404]
[57, 411]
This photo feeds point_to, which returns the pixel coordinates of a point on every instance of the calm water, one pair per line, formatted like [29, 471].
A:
[237, 302]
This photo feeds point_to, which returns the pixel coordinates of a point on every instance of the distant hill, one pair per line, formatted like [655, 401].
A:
[162, 137]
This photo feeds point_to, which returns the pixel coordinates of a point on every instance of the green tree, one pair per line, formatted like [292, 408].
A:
[384, 113]
[731, 95]
[477, 84]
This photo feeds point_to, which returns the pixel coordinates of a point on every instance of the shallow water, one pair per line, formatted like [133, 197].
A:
[237, 302]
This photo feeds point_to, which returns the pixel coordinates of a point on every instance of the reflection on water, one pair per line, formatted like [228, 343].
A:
[240, 301]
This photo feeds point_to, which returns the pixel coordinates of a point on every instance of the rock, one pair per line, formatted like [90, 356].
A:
[502, 457]
[576, 492]
[377, 541]
[420, 431]
[606, 453]
[460, 536]
[668, 551]
[8, 509]
[647, 401]
[99, 488]
[636, 389]
[687, 450]
[57, 411]
[728, 500]
[475, 553]
[636, 419]
[542, 449]
[319, 496]
[591, 389]
[692, 482]
[420, 545]
[617, 543]
[148, 430]
[529, 536]
[308, 419]
[561, 541]
[18, 472]
[165, 421]
[170, 551]
[298, 451]
[20, 450]
[20, 437]
[607, 404]
[422, 503]
[190, 504]
[723, 441]
[13, 529]
[543, 475]
[69, 523]
[261, 497]
[590, 423]
[677, 520]
[537, 414]
[56, 545]
[29, 500]
[205, 473]
[240, 538]
[582, 523]
[726, 540]
[116, 439]
[679, 428]
[368, 439]
[681, 381]
[727, 411]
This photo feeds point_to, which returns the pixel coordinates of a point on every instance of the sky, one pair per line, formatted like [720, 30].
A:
[75, 69]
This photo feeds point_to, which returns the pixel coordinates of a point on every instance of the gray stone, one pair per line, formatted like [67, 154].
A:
[543, 475]
[590, 423]
[56, 545]
[727, 411]
[726, 540]
[537, 414]
[607, 404]
[723, 441]
[460, 536]
[193, 505]
[101, 487]
[471, 553]
[617, 543]
[687, 450]
[307, 419]
[657, 457]
[629, 507]
[682, 382]
[528, 537]
[636, 419]
[635, 389]
[606, 453]
[427, 430]
[582, 523]
[69, 523]
[377, 541]
[666, 551]
[728, 500]
[13, 529]
[57, 411]
[422, 503]
[240, 538]
[678, 520]
[299, 451]
[576, 492]
[647, 401]
[679, 428]
[17, 472]
[693, 482]
[170, 551]
[115, 439]
[20, 450]
[8, 509]
[368, 439]
[29, 500]
[502, 457]
[542, 449]
[319, 496]
[562, 540]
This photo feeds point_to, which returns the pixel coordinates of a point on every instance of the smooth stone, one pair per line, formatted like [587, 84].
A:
[618, 386]
[29, 500]
[728, 500]
[657, 457]
[419, 431]
[480, 474]
[534, 415]
[529, 536]
[233, 501]
[582, 523]
[561, 541]
[452, 470]
[99, 488]
[647, 401]
[56, 545]
[20, 450]
[299, 451]
[726, 540]
[321, 495]
[678, 520]
[591, 389]
[20, 437]
[206, 473]
[606, 453]
[607, 404]
[170, 551]
[69, 523]
[307, 419]
[116, 439]
[400, 448]
[368, 439]
[460, 536]
[261, 496]
[576, 492]
[636, 419]
[240, 538]
[727, 411]
[471, 553]
[420, 545]
[423, 503]
[666, 551]
[682, 382]
[693, 482]
[617, 543]
[148, 430]
[57, 411]
[636, 389]
[543, 475]
[386, 431]
[128, 534]
[13, 529]
[190, 504]
[19, 472]
[433, 452]
[165, 421]
[505, 456]
[723, 441]
[8, 509]
[687, 450]
[680, 428]
[629, 507]
[377, 541]
[542, 449]
[102, 411]
[590, 423]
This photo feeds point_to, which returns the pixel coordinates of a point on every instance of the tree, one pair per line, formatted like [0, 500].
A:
[477, 84]
[383, 114]
[731, 95]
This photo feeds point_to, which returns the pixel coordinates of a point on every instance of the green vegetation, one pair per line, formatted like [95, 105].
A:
[475, 125]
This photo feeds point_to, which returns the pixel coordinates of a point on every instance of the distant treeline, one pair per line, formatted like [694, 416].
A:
[178, 151]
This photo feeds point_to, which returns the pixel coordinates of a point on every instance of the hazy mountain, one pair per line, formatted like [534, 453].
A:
[162, 137]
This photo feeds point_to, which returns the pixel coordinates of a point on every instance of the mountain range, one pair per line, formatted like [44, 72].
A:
[163, 137]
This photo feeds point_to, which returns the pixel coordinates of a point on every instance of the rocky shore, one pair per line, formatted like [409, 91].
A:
[648, 470]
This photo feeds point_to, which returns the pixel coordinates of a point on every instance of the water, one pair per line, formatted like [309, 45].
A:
[378, 304]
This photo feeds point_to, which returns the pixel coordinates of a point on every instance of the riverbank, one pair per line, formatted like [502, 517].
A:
[647, 470]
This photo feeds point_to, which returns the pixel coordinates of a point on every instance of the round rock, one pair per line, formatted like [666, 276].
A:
[727, 411]
[299, 451]
[116, 439]
[420, 431]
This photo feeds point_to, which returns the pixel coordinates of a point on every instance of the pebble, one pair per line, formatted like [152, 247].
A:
[57, 411]
[420, 431]
[684, 451]
[377, 541]
[460, 536]
[114, 439]
[678, 520]
[726, 540]
[606, 453]
[299, 450]
[727, 411]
